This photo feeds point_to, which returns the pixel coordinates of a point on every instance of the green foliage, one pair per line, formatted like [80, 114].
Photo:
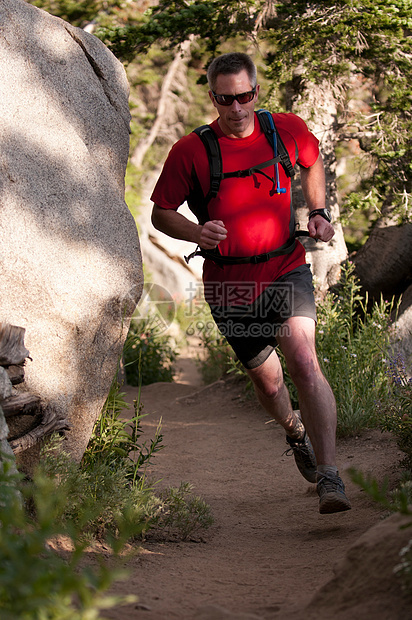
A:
[182, 514]
[148, 356]
[395, 411]
[115, 440]
[352, 342]
[170, 22]
[35, 583]
[133, 188]
[76, 12]
[332, 40]
[99, 496]
[398, 500]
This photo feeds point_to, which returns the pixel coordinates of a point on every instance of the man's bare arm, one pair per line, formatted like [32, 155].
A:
[314, 191]
[176, 225]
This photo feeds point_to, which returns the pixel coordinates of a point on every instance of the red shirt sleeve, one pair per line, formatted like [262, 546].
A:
[187, 159]
[292, 127]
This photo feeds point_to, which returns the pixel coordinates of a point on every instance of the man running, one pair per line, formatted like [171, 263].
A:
[255, 275]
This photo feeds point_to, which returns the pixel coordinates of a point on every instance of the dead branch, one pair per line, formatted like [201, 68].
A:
[20, 404]
[52, 422]
[144, 145]
[12, 349]
[15, 373]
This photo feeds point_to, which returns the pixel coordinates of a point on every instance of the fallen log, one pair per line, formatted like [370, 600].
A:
[50, 423]
[16, 373]
[21, 403]
[15, 404]
[12, 349]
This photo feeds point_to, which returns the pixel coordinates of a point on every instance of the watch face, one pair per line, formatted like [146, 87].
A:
[328, 214]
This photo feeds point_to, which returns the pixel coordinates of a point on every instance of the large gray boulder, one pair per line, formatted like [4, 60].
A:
[70, 264]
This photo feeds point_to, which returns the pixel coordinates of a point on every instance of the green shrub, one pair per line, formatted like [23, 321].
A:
[182, 514]
[395, 410]
[116, 440]
[35, 582]
[107, 497]
[352, 343]
[217, 357]
[148, 356]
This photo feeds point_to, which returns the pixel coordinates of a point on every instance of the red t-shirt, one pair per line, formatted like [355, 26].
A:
[257, 219]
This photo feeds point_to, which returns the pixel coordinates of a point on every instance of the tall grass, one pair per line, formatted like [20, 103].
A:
[149, 356]
[353, 344]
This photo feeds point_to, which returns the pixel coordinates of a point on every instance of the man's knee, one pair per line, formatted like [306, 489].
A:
[304, 366]
[268, 386]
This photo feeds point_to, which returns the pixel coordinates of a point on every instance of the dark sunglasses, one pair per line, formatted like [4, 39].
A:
[229, 99]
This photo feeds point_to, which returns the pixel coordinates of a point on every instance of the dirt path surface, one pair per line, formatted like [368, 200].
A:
[269, 549]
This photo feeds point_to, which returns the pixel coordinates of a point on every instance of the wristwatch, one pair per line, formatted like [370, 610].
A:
[325, 213]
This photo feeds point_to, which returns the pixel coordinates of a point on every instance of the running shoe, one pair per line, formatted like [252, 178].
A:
[304, 456]
[331, 491]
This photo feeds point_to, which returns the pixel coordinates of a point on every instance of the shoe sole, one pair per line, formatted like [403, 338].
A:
[333, 503]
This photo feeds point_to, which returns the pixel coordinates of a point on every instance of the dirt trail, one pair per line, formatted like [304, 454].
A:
[269, 549]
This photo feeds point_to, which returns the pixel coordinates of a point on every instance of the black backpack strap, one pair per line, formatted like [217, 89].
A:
[269, 129]
[211, 143]
[199, 205]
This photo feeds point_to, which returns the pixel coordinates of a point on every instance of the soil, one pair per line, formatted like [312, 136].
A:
[269, 552]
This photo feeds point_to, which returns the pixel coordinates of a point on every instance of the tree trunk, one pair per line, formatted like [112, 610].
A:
[303, 99]
[162, 108]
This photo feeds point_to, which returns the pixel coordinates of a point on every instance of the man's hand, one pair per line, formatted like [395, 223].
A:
[319, 228]
[211, 234]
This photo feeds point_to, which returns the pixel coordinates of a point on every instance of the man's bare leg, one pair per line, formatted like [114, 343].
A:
[316, 402]
[274, 397]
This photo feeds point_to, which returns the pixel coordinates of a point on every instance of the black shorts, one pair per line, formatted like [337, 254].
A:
[251, 330]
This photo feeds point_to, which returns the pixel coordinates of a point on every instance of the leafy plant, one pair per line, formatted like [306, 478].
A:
[148, 356]
[116, 440]
[352, 342]
[395, 411]
[35, 583]
[182, 513]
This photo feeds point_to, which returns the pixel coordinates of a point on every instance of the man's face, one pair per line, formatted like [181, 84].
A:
[236, 120]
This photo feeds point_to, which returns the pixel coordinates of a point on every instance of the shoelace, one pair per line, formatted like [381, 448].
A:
[330, 484]
[303, 448]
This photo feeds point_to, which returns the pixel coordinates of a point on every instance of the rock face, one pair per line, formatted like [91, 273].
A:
[365, 585]
[70, 264]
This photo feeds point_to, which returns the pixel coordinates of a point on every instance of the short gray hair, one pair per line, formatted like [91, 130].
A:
[229, 64]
